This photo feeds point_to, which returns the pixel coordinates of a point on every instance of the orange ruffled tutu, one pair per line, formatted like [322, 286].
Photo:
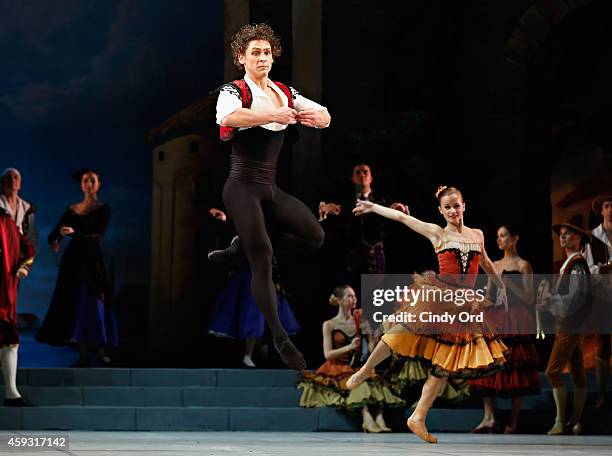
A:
[460, 350]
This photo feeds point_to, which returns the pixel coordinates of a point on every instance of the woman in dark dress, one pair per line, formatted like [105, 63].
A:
[80, 308]
[520, 377]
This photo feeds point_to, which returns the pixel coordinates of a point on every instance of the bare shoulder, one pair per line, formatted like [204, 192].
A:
[524, 267]
[477, 234]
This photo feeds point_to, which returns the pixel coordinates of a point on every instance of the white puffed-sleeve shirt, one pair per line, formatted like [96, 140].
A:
[228, 102]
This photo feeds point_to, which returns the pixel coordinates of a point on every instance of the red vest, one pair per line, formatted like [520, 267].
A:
[227, 133]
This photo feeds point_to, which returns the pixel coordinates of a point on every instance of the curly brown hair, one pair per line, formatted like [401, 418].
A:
[250, 32]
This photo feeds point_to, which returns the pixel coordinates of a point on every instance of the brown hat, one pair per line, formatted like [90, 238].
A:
[597, 203]
[575, 223]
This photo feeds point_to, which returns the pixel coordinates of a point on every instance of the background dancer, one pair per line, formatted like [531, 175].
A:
[16, 258]
[327, 386]
[520, 377]
[80, 310]
[20, 210]
[467, 354]
[570, 302]
[598, 254]
[250, 194]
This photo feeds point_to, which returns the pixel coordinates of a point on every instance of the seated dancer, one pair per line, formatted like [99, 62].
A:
[468, 352]
[327, 386]
[256, 112]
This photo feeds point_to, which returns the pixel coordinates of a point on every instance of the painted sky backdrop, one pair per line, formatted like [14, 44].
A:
[82, 82]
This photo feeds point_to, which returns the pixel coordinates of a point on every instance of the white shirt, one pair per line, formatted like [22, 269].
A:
[19, 218]
[600, 234]
[228, 102]
[566, 262]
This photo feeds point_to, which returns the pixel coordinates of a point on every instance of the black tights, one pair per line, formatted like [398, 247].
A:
[250, 205]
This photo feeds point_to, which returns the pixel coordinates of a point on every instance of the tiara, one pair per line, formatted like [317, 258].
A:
[441, 188]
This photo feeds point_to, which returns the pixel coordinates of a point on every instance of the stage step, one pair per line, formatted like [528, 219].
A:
[162, 396]
[230, 378]
[259, 419]
[224, 400]
[175, 419]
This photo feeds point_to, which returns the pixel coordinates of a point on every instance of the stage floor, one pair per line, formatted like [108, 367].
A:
[312, 443]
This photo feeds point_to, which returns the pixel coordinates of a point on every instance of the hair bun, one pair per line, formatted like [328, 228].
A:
[333, 300]
[441, 188]
[78, 175]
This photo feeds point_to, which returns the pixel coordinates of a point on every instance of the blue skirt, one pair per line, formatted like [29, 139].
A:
[236, 314]
[95, 322]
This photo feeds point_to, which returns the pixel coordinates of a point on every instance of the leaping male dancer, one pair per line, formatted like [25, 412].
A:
[254, 112]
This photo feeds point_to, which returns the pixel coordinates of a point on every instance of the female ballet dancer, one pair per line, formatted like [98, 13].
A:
[471, 353]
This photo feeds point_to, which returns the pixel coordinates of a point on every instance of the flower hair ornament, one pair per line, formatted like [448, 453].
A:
[441, 188]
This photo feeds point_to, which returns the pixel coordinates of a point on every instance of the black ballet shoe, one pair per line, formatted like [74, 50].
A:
[290, 355]
[232, 255]
[18, 402]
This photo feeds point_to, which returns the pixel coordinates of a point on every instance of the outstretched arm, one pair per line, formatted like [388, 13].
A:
[430, 230]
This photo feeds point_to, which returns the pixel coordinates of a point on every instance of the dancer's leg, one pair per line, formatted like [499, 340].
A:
[431, 389]
[368, 424]
[560, 355]
[8, 357]
[560, 397]
[244, 207]
[581, 390]
[380, 420]
[249, 347]
[488, 419]
[378, 355]
[517, 403]
[296, 230]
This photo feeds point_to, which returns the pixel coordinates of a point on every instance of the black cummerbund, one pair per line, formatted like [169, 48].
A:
[259, 172]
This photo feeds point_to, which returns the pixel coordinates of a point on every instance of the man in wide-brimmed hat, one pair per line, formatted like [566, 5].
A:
[569, 303]
[599, 257]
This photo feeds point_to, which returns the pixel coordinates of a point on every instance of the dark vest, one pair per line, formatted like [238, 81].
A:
[571, 323]
[600, 251]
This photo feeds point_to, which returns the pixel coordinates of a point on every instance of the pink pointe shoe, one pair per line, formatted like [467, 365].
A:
[419, 429]
[359, 377]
